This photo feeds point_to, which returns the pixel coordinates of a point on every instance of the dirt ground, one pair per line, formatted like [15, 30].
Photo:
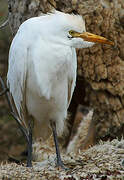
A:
[101, 162]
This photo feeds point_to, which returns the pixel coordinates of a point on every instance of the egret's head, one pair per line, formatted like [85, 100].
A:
[70, 30]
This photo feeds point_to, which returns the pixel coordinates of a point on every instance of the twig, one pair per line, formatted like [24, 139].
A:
[27, 133]
[23, 130]
[6, 92]
[5, 23]
[3, 92]
[52, 4]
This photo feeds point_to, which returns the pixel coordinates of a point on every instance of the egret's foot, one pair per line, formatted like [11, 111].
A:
[60, 165]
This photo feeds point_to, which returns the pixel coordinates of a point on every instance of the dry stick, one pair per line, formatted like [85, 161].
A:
[27, 135]
[4, 24]
[3, 92]
[6, 92]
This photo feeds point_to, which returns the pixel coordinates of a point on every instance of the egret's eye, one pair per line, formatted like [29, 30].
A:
[71, 32]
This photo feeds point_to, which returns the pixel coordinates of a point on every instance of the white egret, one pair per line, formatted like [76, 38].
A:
[42, 70]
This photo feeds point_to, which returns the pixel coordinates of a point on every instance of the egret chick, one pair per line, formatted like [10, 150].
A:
[42, 71]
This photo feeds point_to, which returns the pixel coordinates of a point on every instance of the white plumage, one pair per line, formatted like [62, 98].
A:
[42, 68]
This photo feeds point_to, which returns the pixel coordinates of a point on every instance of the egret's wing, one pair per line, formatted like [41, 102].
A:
[72, 76]
[70, 82]
[16, 77]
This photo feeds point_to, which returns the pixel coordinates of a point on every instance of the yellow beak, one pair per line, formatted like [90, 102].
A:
[93, 38]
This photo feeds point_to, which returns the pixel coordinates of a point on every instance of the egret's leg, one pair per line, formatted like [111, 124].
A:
[29, 158]
[58, 156]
